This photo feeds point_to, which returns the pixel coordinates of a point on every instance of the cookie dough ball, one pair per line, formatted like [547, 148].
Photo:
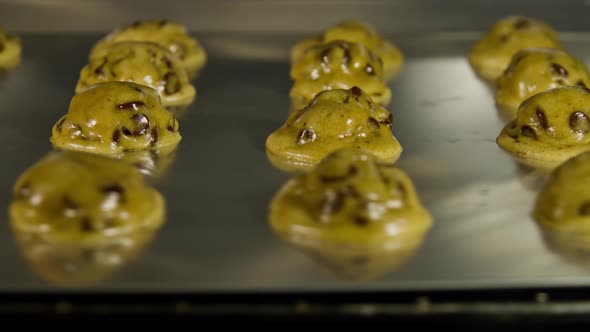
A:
[352, 210]
[170, 35]
[356, 32]
[74, 264]
[492, 54]
[550, 127]
[338, 65]
[562, 209]
[114, 118]
[333, 119]
[10, 51]
[535, 70]
[142, 63]
[83, 199]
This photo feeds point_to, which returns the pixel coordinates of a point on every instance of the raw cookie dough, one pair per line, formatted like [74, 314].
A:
[356, 32]
[83, 199]
[550, 127]
[142, 63]
[333, 119]
[534, 70]
[10, 51]
[114, 118]
[492, 54]
[562, 209]
[357, 214]
[170, 35]
[338, 65]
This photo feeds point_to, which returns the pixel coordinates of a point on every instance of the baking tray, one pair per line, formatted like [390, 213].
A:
[216, 237]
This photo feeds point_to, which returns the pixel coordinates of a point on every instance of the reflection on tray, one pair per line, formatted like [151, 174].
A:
[77, 216]
[357, 215]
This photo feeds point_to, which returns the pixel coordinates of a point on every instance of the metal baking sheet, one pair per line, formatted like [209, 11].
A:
[216, 236]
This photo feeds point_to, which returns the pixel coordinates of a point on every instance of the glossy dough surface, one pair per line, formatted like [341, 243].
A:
[333, 119]
[535, 70]
[80, 198]
[10, 51]
[338, 65]
[142, 63]
[356, 32]
[116, 117]
[170, 35]
[492, 54]
[550, 128]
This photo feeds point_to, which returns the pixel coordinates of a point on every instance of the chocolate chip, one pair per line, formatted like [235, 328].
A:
[522, 24]
[361, 221]
[558, 69]
[370, 70]
[388, 121]
[584, 209]
[116, 136]
[138, 90]
[359, 260]
[86, 225]
[352, 171]
[356, 92]
[99, 71]
[142, 124]
[579, 122]
[305, 136]
[167, 62]
[70, 207]
[23, 192]
[112, 189]
[171, 83]
[374, 124]
[528, 132]
[581, 83]
[542, 118]
[331, 203]
[126, 131]
[60, 124]
[134, 105]
[172, 125]
[154, 135]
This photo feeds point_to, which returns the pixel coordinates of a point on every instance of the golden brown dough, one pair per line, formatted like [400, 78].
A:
[550, 127]
[353, 212]
[115, 118]
[534, 70]
[333, 119]
[170, 35]
[356, 32]
[492, 54]
[142, 63]
[338, 65]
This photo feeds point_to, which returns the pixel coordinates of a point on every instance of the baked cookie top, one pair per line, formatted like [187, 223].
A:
[355, 31]
[83, 198]
[170, 35]
[333, 119]
[350, 198]
[116, 117]
[10, 51]
[338, 65]
[534, 70]
[142, 63]
[550, 127]
[492, 54]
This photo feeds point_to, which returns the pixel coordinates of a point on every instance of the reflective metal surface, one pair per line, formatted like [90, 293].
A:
[216, 236]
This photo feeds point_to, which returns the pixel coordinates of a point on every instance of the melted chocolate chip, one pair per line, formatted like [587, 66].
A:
[558, 69]
[388, 121]
[352, 171]
[542, 118]
[23, 192]
[116, 136]
[307, 135]
[522, 24]
[579, 122]
[370, 70]
[373, 124]
[126, 131]
[171, 83]
[142, 124]
[356, 92]
[528, 132]
[154, 135]
[86, 225]
[133, 105]
[361, 221]
[332, 203]
[581, 83]
[584, 209]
